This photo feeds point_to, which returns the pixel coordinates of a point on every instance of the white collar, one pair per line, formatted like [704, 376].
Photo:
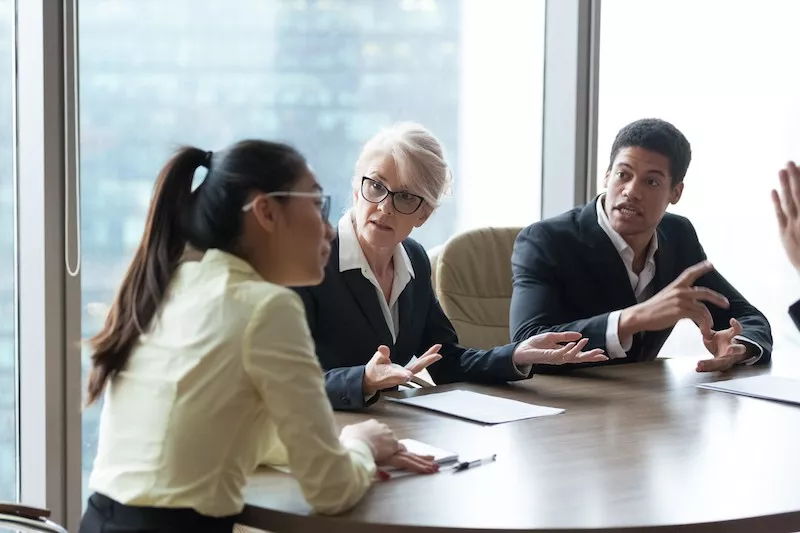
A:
[616, 239]
[351, 256]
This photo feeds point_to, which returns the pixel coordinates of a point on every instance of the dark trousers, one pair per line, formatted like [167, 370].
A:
[104, 515]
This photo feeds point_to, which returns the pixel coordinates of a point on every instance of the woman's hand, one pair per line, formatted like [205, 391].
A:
[380, 373]
[405, 460]
[376, 435]
[556, 349]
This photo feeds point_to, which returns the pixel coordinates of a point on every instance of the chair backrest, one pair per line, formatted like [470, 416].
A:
[473, 281]
[433, 255]
[18, 524]
[23, 519]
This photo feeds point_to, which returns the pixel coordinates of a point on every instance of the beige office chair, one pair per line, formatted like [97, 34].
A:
[20, 518]
[434, 254]
[473, 283]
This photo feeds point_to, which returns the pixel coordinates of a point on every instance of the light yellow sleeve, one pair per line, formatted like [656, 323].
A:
[279, 357]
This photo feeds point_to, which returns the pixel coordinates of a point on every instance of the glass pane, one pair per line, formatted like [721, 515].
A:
[324, 75]
[724, 74]
[8, 356]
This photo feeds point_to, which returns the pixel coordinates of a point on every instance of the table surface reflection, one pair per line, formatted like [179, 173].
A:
[639, 447]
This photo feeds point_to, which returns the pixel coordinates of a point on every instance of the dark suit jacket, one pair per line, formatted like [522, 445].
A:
[794, 312]
[347, 324]
[569, 277]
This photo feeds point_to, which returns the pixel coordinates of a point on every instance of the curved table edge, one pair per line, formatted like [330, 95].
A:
[283, 522]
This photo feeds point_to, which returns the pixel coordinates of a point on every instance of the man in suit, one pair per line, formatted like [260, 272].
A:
[787, 210]
[623, 272]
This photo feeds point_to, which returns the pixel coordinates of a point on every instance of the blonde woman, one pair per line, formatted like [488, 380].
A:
[375, 319]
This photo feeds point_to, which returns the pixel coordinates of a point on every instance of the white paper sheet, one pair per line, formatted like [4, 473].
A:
[765, 387]
[478, 407]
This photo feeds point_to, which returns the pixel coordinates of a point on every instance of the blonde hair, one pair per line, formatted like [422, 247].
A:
[418, 155]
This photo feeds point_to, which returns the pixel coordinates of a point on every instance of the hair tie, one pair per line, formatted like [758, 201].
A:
[207, 160]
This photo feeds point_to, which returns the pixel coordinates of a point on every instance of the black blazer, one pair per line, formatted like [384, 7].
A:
[347, 324]
[794, 312]
[569, 276]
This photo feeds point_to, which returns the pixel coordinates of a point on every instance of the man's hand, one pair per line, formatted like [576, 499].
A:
[727, 351]
[555, 349]
[678, 300]
[380, 373]
[787, 205]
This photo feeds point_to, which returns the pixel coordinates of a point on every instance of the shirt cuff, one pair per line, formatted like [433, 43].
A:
[755, 358]
[361, 452]
[615, 348]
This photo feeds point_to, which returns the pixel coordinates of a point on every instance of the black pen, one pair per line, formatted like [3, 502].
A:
[464, 465]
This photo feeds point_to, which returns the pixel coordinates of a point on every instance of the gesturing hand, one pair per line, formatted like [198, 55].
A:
[727, 351]
[787, 210]
[380, 373]
[547, 349]
[678, 300]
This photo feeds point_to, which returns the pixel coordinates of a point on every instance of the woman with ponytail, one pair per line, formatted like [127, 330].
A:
[207, 367]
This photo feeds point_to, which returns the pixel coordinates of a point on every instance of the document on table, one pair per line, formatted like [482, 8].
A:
[766, 387]
[478, 407]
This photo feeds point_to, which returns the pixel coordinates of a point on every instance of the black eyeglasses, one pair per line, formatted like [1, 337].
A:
[324, 199]
[375, 192]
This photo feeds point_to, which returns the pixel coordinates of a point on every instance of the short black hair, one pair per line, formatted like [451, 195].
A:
[657, 136]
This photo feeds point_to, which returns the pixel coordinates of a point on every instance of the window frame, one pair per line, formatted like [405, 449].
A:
[46, 155]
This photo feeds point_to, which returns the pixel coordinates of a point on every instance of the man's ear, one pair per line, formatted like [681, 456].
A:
[677, 191]
[605, 178]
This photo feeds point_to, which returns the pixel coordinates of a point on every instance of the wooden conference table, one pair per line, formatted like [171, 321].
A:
[639, 448]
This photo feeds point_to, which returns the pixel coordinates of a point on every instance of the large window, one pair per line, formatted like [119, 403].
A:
[323, 75]
[725, 74]
[8, 354]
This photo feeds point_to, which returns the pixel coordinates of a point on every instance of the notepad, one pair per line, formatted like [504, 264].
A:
[440, 456]
[478, 407]
[765, 387]
[420, 448]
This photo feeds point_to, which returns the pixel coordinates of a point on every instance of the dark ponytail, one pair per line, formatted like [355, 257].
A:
[149, 274]
[209, 217]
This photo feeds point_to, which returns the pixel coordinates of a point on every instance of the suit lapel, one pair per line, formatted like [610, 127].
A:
[607, 266]
[365, 295]
[665, 262]
[405, 306]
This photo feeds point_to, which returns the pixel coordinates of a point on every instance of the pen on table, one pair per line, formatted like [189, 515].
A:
[464, 465]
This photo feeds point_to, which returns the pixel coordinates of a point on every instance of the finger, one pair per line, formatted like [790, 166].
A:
[794, 183]
[736, 326]
[705, 294]
[593, 356]
[692, 274]
[556, 337]
[779, 214]
[736, 350]
[432, 350]
[423, 363]
[412, 462]
[718, 364]
[789, 203]
[381, 357]
[575, 350]
[701, 316]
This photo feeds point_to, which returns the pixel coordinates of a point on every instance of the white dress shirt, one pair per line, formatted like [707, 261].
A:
[641, 284]
[351, 257]
[225, 378]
